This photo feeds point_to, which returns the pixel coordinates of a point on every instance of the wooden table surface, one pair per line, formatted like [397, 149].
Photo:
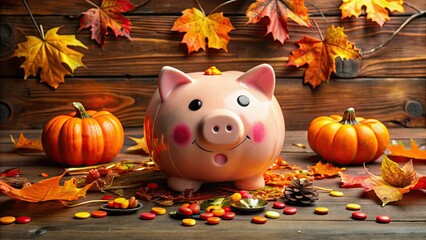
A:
[51, 220]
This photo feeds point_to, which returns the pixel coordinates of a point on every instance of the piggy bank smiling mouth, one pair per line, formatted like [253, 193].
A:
[221, 159]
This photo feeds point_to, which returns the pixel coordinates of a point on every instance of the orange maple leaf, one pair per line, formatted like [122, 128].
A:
[392, 183]
[398, 150]
[278, 12]
[377, 10]
[25, 143]
[108, 15]
[140, 145]
[46, 190]
[324, 170]
[48, 54]
[199, 27]
[319, 55]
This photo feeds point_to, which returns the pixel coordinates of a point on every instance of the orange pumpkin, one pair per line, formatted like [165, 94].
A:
[83, 138]
[348, 140]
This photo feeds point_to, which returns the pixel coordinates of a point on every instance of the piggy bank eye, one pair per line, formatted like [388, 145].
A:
[243, 100]
[195, 104]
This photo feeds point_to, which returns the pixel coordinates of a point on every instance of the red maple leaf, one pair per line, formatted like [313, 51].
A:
[108, 15]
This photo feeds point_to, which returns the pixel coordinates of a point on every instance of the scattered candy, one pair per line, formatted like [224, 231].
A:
[336, 194]
[383, 219]
[353, 206]
[236, 197]
[185, 210]
[259, 219]
[290, 210]
[213, 220]
[228, 216]
[158, 210]
[359, 215]
[321, 210]
[212, 208]
[279, 205]
[148, 216]
[272, 214]
[133, 202]
[7, 220]
[152, 185]
[82, 215]
[218, 212]
[99, 214]
[188, 222]
[227, 208]
[108, 197]
[118, 202]
[205, 215]
[245, 194]
[195, 208]
[23, 220]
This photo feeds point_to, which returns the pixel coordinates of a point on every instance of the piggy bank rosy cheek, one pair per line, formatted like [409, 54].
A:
[258, 132]
[181, 134]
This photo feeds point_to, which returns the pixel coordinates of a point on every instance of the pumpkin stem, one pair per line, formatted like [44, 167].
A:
[80, 112]
[349, 117]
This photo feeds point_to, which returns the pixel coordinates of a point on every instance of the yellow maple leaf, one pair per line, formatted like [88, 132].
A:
[199, 27]
[25, 143]
[398, 150]
[319, 55]
[377, 10]
[49, 54]
[394, 181]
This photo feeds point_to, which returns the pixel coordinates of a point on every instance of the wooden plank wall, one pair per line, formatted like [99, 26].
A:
[389, 85]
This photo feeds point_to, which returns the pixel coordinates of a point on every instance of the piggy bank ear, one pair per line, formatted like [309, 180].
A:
[261, 77]
[169, 79]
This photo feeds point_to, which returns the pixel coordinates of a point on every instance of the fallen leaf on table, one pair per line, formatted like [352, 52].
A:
[140, 145]
[377, 10]
[108, 15]
[324, 170]
[393, 182]
[278, 12]
[50, 54]
[351, 181]
[319, 55]
[25, 143]
[46, 190]
[11, 172]
[199, 27]
[399, 150]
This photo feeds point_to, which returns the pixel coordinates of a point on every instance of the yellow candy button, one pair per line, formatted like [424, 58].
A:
[82, 215]
[7, 220]
[353, 206]
[272, 214]
[188, 222]
[336, 194]
[158, 210]
[321, 210]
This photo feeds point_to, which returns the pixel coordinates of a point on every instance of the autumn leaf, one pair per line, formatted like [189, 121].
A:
[24, 143]
[278, 11]
[324, 170]
[49, 54]
[108, 15]
[140, 145]
[46, 190]
[398, 150]
[199, 27]
[319, 56]
[392, 183]
[351, 181]
[377, 10]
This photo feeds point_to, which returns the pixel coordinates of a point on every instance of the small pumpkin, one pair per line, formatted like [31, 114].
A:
[348, 140]
[83, 137]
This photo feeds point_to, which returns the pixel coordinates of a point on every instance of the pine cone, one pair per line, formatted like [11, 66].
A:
[301, 192]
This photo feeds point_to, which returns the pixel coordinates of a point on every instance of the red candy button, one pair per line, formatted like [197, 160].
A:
[186, 211]
[205, 215]
[383, 219]
[147, 215]
[228, 216]
[290, 210]
[99, 214]
[359, 215]
[279, 205]
[23, 219]
[108, 197]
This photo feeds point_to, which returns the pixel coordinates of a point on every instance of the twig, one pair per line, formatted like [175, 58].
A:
[140, 5]
[33, 19]
[319, 10]
[81, 203]
[318, 29]
[423, 12]
[221, 5]
[413, 7]
[92, 3]
[323, 189]
[201, 8]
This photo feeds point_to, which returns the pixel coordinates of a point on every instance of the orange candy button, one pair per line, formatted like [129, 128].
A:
[99, 214]
[259, 219]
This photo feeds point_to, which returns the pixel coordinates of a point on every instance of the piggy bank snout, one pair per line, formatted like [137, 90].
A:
[222, 128]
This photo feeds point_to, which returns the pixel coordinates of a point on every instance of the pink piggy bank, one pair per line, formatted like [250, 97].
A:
[214, 128]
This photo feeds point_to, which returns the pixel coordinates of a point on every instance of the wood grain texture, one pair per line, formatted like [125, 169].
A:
[32, 104]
